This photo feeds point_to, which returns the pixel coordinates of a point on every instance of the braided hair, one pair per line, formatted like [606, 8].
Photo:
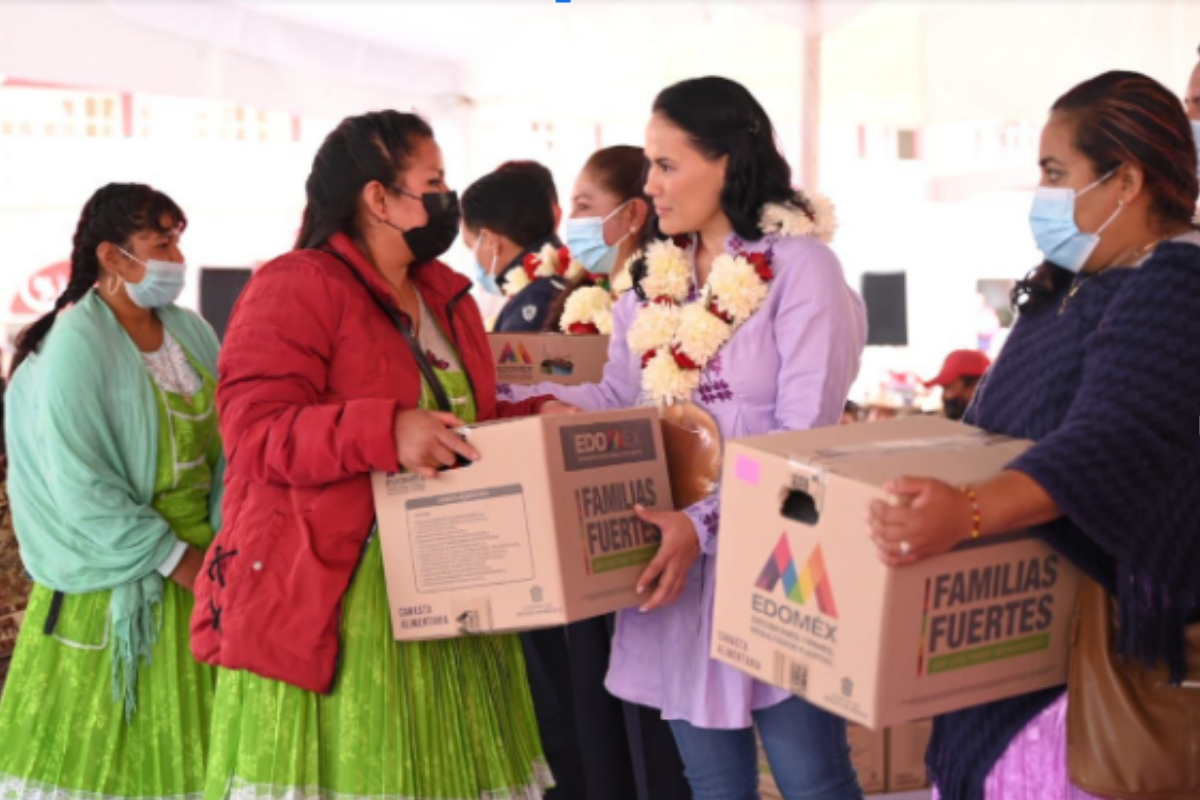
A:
[113, 214]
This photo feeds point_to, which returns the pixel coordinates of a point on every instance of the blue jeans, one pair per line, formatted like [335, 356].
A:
[806, 747]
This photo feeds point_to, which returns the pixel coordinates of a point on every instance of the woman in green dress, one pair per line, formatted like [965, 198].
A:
[114, 479]
[357, 351]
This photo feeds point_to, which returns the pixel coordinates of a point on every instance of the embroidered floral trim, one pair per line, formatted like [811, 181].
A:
[170, 369]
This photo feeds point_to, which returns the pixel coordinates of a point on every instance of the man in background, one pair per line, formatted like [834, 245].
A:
[958, 379]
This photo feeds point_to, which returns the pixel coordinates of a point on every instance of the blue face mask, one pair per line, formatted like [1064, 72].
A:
[1052, 219]
[161, 286]
[1196, 137]
[484, 277]
[585, 240]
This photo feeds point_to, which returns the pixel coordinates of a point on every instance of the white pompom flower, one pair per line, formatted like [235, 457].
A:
[589, 305]
[827, 222]
[652, 328]
[789, 219]
[736, 287]
[547, 262]
[668, 272]
[666, 382]
[516, 281]
[701, 333]
[604, 321]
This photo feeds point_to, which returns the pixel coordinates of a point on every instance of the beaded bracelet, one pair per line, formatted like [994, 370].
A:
[976, 518]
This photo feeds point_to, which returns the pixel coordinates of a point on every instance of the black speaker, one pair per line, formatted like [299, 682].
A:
[886, 296]
[219, 290]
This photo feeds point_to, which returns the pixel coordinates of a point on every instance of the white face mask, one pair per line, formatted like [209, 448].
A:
[486, 278]
[1052, 220]
[161, 285]
[585, 240]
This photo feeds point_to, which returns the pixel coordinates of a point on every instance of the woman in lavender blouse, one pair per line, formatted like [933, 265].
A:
[713, 168]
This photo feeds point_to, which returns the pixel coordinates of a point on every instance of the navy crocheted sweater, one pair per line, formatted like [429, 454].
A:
[1108, 388]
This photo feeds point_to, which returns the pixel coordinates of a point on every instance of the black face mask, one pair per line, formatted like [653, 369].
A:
[436, 236]
[955, 407]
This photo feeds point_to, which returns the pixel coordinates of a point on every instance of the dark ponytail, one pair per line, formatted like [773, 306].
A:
[113, 214]
[371, 147]
[722, 118]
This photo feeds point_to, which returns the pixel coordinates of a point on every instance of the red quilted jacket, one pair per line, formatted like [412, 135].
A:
[312, 373]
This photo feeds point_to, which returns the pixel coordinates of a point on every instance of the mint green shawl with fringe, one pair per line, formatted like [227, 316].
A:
[82, 430]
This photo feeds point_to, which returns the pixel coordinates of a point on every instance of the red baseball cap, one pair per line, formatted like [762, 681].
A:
[961, 364]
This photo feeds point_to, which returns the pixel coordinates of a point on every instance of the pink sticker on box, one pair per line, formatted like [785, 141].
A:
[747, 470]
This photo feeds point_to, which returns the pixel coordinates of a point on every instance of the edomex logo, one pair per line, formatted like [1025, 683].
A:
[607, 444]
[606, 441]
[517, 355]
[803, 585]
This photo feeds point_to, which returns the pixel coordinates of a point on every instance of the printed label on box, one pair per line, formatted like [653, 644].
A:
[614, 536]
[985, 614]
[470, 539]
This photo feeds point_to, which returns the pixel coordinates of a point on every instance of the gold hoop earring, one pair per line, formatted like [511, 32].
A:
[113, 284]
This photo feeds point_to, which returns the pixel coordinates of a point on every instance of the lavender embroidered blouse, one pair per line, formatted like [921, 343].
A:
[790, 367]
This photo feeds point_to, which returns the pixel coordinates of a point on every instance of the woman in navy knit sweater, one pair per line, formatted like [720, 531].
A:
[1102, 372]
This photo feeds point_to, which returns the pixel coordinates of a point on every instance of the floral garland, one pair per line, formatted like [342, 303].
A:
[548, 262]
[676, 340]
[589, 308]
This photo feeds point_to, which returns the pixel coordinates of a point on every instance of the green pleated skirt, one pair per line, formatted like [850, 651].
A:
[439, 720]
[63, 737]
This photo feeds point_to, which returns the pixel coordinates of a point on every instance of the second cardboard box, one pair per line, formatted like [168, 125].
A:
[803, 601]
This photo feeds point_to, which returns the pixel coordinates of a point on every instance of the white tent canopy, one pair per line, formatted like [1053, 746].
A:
[967, 83]
[908, 63]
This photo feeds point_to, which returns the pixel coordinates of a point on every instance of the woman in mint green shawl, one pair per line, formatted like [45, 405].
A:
[114, 481]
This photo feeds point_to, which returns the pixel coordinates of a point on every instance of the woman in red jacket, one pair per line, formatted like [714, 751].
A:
[357, 351]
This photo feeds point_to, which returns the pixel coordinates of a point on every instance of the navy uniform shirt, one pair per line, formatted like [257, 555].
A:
[528, 310]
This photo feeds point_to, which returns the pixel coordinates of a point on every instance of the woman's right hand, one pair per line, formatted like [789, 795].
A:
[425, 442]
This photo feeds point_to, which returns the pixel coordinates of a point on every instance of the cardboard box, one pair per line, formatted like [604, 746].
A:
[867, 751]
[906, 746]
[526, 358]
[540, 531]
[804, 603]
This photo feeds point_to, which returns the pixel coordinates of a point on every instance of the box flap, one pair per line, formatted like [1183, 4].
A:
[877, 452]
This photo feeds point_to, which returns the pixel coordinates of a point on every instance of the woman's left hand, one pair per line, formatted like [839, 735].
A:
[679, 549]
[924, 517]
[558, 407]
